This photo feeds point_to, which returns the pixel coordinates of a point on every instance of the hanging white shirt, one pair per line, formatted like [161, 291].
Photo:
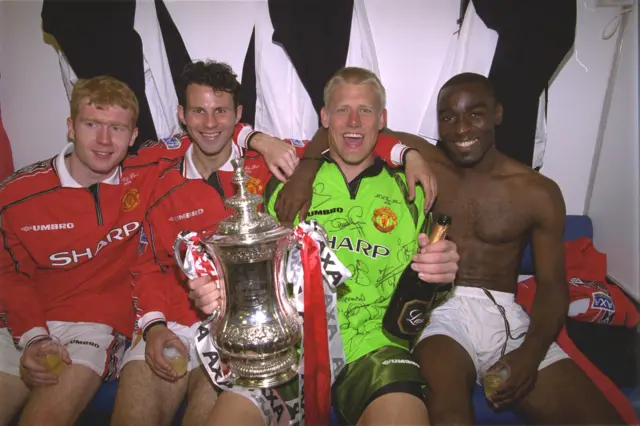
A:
[471, 50]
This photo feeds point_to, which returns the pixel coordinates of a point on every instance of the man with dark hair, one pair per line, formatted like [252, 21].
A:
[210, 84]
[481, 328]
[212, 74]
[161, 366]
[496, 203]
[470, 77]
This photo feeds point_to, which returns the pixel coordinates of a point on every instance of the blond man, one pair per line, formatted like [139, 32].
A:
[70, 228]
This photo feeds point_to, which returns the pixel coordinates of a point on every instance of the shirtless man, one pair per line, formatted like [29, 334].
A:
[496, 204]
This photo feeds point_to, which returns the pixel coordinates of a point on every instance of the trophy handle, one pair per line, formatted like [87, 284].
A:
[184, 238]
[177, 245]
[284, 249]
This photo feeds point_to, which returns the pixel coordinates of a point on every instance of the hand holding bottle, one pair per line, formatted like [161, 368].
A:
[424, 284]
[436, 262]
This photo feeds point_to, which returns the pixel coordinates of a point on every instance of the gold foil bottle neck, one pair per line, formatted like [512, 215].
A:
[440, 228]
[438, 233]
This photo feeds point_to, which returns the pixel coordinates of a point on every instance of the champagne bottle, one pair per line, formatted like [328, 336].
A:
[413, 299]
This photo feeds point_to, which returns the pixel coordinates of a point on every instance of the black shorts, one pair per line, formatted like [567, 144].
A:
[388, 369]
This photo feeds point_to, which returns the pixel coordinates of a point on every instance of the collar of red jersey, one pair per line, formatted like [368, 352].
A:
[67, 181]
[190, 171]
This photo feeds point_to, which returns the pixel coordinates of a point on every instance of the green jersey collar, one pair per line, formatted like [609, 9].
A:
[373, 170]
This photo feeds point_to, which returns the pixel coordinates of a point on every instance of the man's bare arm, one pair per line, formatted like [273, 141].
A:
[319, 143]
[429, 151]
[551, 301]
[295, 195]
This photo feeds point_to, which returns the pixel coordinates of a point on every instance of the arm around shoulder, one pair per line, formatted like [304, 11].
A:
[429, 151]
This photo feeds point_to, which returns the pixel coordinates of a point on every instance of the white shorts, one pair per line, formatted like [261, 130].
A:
[9, 354]
[470, 318]
[137, 348]
[93, 345]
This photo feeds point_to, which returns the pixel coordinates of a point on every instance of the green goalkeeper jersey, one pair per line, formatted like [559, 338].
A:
[372, 228]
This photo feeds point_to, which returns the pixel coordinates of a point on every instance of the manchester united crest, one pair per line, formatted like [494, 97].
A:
[130, 200]
[384, 219]
[255, 186]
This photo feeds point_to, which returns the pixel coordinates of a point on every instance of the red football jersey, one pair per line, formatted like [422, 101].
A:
[67, 249]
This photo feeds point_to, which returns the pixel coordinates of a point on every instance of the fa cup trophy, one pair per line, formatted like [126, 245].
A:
[257, 329]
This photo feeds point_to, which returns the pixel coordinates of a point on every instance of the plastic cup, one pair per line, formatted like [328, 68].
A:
[50, 355]
[494, 377]
[178, 362]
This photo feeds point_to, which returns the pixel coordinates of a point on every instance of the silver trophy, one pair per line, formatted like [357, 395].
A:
[257, 329]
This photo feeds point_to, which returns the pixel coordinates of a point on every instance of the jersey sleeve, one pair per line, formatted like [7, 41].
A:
[391, 150]
[151, 281]
[299, 145]
[18, 300]
[241, 134]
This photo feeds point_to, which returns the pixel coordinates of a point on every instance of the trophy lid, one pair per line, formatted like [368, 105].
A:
[246, 222]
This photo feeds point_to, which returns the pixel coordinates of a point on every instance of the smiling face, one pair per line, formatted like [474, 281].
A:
[102, 127]
[101, 137]
[467, 115]
[354, 116]
[210, 118]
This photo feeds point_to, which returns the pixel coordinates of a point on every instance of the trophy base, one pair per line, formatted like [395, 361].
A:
[265, 373]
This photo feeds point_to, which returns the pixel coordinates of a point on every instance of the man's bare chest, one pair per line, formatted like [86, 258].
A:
[489, 211]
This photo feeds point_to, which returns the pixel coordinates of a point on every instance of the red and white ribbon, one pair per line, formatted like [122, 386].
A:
[323, 272]
[197, 262]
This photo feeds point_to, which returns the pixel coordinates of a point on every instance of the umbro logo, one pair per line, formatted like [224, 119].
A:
[184, 216]
[48, 227]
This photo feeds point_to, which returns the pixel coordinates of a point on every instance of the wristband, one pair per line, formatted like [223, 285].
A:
[148, 327]
[37, 339]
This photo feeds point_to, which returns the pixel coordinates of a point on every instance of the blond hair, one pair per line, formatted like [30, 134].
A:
[103, 91]
[355, 75]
